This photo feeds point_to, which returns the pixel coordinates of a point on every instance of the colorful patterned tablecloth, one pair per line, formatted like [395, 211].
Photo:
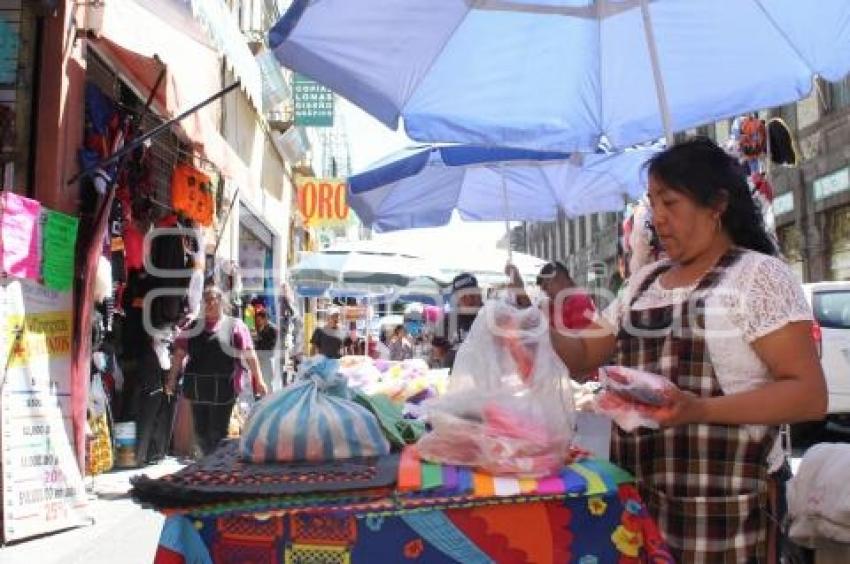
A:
[588, 513]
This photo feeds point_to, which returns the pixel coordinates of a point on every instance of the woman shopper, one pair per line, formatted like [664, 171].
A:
[727, 322]
[400, 346]
[216, 348]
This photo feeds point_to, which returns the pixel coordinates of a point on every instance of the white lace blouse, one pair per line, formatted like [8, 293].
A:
[757, 295]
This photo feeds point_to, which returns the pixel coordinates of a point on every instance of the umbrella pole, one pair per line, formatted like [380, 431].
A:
[507, 217]
[660, 92]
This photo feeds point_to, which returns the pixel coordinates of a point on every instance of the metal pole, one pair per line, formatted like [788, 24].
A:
[136, 143]
[507, 216]
[660, 92]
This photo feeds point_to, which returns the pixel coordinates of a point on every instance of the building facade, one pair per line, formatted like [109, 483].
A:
[811, 207]
[587, 246]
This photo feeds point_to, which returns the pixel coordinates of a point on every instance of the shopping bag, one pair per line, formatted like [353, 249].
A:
[99, 457]
[183, 437]
[508, 408]
[312, 420]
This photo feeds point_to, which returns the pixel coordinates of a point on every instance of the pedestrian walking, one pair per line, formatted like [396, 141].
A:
[216, 348]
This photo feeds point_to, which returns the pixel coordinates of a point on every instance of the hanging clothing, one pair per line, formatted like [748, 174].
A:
[706, 484]
[781, 143]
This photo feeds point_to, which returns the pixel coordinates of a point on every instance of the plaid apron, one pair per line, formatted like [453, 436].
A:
[705, 484]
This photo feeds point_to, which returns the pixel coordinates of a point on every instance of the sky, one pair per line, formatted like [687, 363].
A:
[370, 140]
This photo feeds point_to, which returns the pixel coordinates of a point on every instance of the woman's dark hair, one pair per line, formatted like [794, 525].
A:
[704, 172]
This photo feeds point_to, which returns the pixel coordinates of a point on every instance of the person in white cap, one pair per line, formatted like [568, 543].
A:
[330, 339]
[465, 304]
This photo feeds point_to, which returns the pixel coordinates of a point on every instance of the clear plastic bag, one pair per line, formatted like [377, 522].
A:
[628, 395]
[508, 408]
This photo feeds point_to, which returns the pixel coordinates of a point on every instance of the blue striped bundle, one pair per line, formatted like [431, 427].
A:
[304, 422]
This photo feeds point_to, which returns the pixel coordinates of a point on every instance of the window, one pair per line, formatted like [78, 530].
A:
[839, 94]
[707, 131]
[808, 110]
[721, 129]
[832, 309]
[582, 233]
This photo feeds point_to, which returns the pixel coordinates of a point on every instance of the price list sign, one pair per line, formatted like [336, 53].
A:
[42, 486]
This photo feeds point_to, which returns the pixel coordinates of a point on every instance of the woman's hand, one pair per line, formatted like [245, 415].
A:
[682, 408]
[514, 277]
[170, 385]
[259, 388]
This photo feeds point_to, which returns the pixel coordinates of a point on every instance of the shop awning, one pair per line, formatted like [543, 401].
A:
[141, 37]
[224, 33]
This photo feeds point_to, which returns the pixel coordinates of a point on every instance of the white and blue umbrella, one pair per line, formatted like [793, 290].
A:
[422, 186]
[368, 271]
[563, 74]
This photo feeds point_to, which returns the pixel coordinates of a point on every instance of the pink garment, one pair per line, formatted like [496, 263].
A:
[20, 236]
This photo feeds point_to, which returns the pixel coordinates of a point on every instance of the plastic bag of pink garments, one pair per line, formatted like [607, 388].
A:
[508, 408]
[628, 396]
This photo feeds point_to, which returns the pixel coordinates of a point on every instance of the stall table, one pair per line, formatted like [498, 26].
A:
[590, 512]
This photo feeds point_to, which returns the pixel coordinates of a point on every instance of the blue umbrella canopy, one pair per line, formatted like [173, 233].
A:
[422, 186]
[563, 74]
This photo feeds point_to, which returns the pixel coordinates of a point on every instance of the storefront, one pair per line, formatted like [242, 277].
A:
[256, 256]
[164, 202]
[17, 49]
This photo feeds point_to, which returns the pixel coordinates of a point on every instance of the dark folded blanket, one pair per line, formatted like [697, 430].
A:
[223, 476]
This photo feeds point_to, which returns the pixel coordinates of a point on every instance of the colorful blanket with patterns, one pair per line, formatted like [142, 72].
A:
[224, 476]
[608, 527]
[587, 476]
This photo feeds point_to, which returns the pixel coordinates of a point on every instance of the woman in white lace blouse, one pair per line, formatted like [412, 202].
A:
[727, 322]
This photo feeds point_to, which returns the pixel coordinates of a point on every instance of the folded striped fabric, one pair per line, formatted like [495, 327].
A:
[588, 476]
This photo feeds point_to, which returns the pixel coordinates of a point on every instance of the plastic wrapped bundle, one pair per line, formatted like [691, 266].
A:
[508, 408]
[312, 420]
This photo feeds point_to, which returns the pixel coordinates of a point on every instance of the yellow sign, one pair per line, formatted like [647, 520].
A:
[44, 335]
[323, 202]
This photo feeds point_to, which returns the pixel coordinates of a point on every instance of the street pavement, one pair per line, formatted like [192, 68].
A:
[122, 532]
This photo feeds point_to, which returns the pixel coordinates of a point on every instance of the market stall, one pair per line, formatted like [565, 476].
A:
[375, 461]
[590, 512]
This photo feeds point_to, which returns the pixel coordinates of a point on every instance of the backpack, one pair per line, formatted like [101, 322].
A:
[753, 138]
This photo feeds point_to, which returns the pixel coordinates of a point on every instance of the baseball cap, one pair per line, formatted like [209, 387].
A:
[333, 310]
[550, 269]
[464, 281]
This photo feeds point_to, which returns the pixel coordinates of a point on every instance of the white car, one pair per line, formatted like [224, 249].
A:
[830, 303]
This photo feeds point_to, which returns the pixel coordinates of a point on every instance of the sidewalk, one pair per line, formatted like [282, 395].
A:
[122, 531]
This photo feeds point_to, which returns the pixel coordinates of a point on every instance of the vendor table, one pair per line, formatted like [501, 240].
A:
[590, 512]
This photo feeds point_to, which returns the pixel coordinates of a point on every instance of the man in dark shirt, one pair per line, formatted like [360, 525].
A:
[330, 339]
[465, 303]
[265, 343]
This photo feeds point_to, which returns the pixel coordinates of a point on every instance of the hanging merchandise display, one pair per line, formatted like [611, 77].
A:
[781, 144]
[19, 244]
[756, 146]
[191, 194]
[640, 244]
[60, 237]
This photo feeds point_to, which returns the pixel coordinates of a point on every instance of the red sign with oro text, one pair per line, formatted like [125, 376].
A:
[323, 202]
